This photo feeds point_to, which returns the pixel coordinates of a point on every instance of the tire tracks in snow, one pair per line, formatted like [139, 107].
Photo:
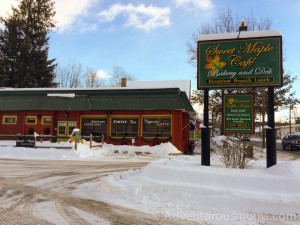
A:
[24, 184]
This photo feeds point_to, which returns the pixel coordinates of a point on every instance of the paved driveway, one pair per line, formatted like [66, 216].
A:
[26, 184]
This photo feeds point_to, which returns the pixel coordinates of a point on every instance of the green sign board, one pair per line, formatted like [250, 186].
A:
[246, 62]
[238, 113]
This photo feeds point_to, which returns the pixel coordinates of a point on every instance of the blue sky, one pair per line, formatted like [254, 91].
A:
[147, 38]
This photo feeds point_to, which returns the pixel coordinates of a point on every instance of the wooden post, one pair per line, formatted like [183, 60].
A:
[102, 140]
[91, 141]
[76, 141]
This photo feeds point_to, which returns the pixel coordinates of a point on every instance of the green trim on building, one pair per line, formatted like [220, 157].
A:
[95, 99]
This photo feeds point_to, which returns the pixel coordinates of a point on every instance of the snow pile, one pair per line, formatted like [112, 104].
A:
[288, 170]
[180, 186]
[164, 149]
[65, 151]
[219, 140]
[10, 152]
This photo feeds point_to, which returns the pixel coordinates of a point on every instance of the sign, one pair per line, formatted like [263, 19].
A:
[22, 141]
[157, 126]
[238, 113]
[93, 125]
[124, 127]
[246, 62]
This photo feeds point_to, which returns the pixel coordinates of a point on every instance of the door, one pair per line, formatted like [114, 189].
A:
[65, 128]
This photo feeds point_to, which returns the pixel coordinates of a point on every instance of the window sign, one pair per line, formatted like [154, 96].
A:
[93, 125]
[9, 120]
[157, 126]
[124, 127]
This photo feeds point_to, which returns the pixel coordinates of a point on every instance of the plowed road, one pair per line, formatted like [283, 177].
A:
[29, 190]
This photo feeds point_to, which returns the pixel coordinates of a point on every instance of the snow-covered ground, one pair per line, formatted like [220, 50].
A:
[178, 187]
[65, 151]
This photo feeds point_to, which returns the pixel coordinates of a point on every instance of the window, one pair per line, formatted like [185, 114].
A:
[124, 127]
[93, 125]
[31, 120]
[61, 128]
[65, 128]
[71, 127]
[46, 120]
[156, 126]
[9, 120]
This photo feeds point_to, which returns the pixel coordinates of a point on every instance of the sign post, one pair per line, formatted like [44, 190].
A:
[205, 136]
[271, 132]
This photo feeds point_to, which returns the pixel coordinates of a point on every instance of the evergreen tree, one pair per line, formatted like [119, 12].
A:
[24, 45]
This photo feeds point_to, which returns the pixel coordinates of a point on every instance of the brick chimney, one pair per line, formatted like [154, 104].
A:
[123, 82]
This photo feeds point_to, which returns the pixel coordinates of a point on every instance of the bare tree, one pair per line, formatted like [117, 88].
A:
[224, 23]
[74, 75]
[69, 75]
[117, 74]
[92, 80]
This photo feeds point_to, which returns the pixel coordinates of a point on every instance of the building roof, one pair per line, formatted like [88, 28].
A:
[183, 85]
[94, 99]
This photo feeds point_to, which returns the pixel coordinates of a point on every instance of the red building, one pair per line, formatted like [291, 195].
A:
[150, 116]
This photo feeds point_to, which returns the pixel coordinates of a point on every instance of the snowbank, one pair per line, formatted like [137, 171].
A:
[176, 186]
[65, 151]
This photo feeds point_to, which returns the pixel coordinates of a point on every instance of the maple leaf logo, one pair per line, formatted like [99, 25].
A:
[214, 64]
[231, 103]
[231, 100]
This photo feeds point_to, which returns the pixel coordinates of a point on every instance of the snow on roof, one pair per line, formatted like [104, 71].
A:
[183, 85]
[71, 95]
[239, 35]
[60, 89]
[87, 89]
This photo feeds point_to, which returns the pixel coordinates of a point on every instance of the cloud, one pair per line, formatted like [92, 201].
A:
[6, 5]
[141, 17]
[68, 13]
[102, 74]
[199, 4]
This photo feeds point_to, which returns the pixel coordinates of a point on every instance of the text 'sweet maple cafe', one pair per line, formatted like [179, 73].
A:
[150, 116]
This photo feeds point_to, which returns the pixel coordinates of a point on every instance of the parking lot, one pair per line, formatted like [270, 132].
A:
[40, 192]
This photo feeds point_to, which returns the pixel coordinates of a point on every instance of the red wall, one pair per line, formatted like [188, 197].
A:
[180, 127]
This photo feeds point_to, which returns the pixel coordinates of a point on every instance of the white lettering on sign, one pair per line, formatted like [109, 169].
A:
[157, 122]
[120, 121]
[95, 123]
